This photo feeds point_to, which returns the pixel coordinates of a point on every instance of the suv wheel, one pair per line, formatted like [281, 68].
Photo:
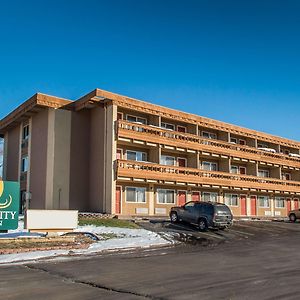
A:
[174, 217]
[202, 224]
[293, 218]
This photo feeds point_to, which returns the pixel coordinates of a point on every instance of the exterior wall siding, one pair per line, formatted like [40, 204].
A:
[38, 166]
[79, 161]
[74, 162]
[12, 161]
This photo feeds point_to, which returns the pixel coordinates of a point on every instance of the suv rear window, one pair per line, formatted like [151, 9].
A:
[222, 209]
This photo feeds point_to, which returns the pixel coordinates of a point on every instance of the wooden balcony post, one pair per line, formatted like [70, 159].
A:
[272, 204]
[151, 199]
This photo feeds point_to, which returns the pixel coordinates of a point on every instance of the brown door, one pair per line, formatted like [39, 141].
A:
[253, 205]
[196, 196]
[243, 205]
[288, 205]
[181, 162]
[181, 198]
[181, 129]
[118, 199]
[242, 170]
[119, 116]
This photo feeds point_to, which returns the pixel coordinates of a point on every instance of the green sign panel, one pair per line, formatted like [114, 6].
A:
[9, 204]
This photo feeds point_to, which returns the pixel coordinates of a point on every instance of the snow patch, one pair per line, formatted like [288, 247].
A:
[126, 238]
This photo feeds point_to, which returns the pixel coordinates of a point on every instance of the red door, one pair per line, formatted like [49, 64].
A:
[243, 205]
[196, 196]
[242, 170]
[253, 205]
[181, 198]
[296, 204]
[118, 200]
[181, 162]
[288, 205]
[119, 153]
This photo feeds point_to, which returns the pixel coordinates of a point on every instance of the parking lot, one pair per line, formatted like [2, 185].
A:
[251, 231]
[252, 260]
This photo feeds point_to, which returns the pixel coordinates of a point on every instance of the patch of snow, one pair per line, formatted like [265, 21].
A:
[29, 256]
[126, 238]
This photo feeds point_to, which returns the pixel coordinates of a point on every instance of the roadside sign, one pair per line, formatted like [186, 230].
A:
[9, 204]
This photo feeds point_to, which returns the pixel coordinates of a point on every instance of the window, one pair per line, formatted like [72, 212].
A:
[234, 170]
[135, 119]
[189, 204]
[242, 142]
[25, 133]
[284, 151]
[134, 194]
[233, 140]
[168, 160]
[231, 200]
[136, 155]
[262, 145]
[209, 135]
[213, 197]
[209, 166]
[263, 173]
[24, 164]
[279, 202]
[286, 176]
[237, 170]
[165, 196]
[167, 126]
[263, 201]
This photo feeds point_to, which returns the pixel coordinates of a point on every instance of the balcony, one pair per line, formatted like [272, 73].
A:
[155, 172]
[158, 135]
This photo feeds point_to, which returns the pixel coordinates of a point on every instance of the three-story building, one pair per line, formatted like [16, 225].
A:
[109, 153]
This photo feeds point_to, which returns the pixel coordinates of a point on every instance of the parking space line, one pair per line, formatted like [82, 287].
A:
[213, 235]
[240, 232]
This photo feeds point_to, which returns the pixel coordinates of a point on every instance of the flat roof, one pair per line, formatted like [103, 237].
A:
[41, 101]
[31, 106]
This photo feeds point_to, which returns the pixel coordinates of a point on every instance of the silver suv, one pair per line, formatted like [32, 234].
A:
[203, 214]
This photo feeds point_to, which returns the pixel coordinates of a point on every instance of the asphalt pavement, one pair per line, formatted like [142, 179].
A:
[252, 260]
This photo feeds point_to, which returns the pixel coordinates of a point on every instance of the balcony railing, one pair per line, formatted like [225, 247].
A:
[152, 171]
[159, 135]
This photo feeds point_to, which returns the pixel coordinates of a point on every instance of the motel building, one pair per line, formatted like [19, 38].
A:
[113, 154]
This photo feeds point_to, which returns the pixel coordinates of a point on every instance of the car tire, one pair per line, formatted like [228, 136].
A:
[174, 217]
[292, 218]
[202, 224]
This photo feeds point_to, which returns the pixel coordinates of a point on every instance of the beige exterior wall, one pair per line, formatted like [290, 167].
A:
[38, 166]
[131, 208]
[57, 159]
[79, 161]
[13, 154]
[111, 150]
[4, 168]
[61, 173]
[96, 167]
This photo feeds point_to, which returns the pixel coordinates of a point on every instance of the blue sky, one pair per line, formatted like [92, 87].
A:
[235, 61]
